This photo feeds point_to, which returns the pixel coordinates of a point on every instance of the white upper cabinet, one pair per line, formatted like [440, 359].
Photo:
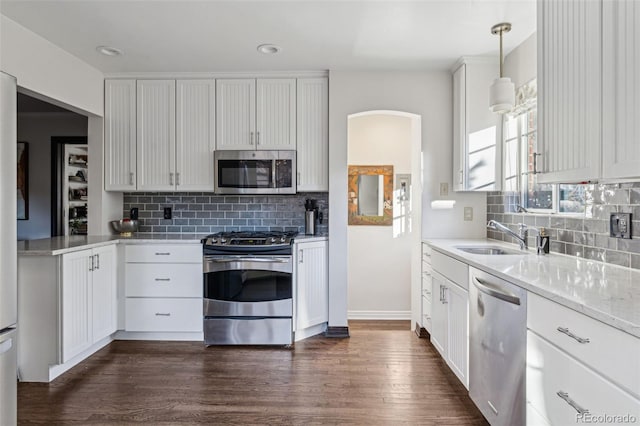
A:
[156, 142]
[621, 89]
[235, 114]
[256, 114]
[476, 130]
[276, 113]
[195, 134]
[120, 135]
[313, 134]
[569, 90]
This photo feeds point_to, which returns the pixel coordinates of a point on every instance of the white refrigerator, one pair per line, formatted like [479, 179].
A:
[8, 250]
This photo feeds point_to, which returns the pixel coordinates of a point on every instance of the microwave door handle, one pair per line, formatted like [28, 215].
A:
[273, 173]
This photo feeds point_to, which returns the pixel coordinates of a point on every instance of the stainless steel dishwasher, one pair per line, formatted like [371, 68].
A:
[497, 348]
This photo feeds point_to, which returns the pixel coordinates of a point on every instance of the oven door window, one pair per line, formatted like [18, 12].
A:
[247, 286]
[245, 173]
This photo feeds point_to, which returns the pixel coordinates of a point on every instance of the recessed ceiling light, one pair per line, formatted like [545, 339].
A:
[109, 51]
[269, 49]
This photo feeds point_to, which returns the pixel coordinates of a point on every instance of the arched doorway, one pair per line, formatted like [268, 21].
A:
[381, 258]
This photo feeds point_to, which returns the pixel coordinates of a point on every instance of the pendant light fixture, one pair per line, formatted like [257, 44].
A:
[502, 93]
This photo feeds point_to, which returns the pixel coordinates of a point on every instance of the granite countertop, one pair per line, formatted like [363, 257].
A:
[61, 245]
[602, 291]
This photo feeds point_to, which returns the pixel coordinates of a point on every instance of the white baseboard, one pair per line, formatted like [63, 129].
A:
[379, 315]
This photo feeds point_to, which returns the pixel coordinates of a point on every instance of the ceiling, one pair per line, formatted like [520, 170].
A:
[219, 36]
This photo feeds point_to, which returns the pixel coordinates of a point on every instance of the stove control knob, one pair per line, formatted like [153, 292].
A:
[223, 240]
[283, 239]
[273, 239]
[212, 240]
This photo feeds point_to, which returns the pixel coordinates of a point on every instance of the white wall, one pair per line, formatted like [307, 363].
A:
[428, 94]
[521, 63]
[379, 273]
[47, 72]
[44, 68]
[37, 129]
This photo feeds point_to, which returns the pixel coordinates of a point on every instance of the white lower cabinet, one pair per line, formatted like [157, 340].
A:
[579, 370]
[67, 310]
[449, 324]
[88, 299]
[312, 287]
[425, 296]
[163, 289]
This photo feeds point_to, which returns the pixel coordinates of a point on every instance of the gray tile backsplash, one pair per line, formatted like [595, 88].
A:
[204, 213]
[584, 236]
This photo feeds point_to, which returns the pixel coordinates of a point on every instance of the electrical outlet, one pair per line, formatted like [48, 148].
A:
[167, 212]
[620, 225]
[444, 189]
[468, 213]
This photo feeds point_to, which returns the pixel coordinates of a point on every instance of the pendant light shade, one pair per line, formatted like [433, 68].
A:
[502, 93]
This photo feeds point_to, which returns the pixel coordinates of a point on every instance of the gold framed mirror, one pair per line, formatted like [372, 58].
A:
[370, 192]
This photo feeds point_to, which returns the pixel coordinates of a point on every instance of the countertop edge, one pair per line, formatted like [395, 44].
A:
[606, 318]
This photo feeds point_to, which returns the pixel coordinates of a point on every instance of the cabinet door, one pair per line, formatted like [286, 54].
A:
[457, 336]
[76, 303]
[120, 135]
[235, 114]
[312, 284]
[439, 313]
[276, 113]
[103, 292]
[621, 90]
[156, 135]
[313, 134]
[569, 90]
[195, 133]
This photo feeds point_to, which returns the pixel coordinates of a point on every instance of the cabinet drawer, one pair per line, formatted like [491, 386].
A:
[426, 253]
[163, 315]
[613, 353]
[550, 371]
[163, 280]
[426, 322]
[451, 268]
[426, 289]
[163, 253]
[426, 306]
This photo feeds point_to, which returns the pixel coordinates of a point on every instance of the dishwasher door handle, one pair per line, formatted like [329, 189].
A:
[496, 291]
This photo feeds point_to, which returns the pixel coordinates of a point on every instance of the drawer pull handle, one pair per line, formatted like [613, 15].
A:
[571, 402]
[160, 314]
[163, 254]
[566, 331]
[163, 279]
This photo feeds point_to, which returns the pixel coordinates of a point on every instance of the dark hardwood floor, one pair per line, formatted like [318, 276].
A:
[383, 374]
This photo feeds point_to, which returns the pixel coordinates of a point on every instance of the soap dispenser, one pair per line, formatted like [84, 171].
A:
[542, 242]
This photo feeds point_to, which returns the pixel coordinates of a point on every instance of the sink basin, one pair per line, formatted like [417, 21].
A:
[488, 250]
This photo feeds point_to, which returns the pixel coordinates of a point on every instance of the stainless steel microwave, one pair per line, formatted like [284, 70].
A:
[255, 172]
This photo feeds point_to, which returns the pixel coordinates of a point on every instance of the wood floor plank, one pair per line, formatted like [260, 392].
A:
[382, 375]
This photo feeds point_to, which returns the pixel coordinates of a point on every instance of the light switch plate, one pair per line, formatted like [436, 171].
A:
[444, 189]
[468, 213]
[620, 225]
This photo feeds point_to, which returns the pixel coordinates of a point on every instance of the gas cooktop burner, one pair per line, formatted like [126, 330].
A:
[250, 238]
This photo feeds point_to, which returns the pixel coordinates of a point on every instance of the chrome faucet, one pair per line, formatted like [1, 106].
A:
[521, 237]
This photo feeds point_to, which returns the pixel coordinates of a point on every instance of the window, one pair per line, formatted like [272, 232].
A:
[520, 136]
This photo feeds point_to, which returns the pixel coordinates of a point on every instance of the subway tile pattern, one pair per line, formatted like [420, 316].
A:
[201, 213]
[584, 236]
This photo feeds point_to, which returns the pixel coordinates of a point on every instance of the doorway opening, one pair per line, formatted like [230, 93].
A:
[381, 258]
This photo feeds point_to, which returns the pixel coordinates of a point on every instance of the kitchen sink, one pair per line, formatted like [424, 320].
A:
[488, 250]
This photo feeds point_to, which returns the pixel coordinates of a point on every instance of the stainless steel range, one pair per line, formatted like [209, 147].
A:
[248, 288]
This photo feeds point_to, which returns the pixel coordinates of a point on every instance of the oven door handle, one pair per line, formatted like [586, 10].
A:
[251, 259]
